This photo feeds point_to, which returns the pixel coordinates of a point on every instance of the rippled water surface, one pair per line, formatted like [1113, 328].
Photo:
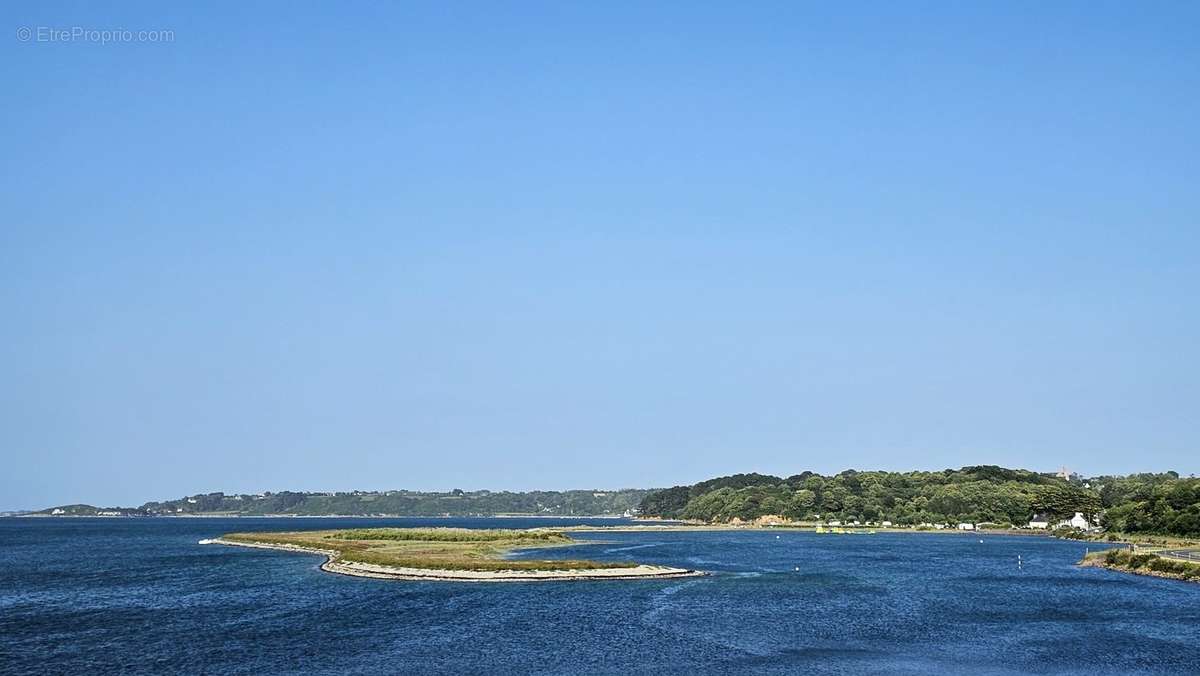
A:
[140, 596]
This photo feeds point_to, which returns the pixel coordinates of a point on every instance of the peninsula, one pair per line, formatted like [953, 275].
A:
[446, 554]
[1177, 564]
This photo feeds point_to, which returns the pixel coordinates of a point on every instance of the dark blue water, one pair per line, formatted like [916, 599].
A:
[140, 596]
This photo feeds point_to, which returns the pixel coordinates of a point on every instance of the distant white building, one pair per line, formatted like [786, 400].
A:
[1067, 475]
[966, 526]
[886, 524]
[1078, 521]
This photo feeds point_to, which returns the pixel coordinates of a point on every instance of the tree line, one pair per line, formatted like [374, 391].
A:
[1140, 503]
[389, 503]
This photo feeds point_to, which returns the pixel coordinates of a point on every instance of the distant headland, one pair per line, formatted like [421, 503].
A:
[973, 497]
[571, 503]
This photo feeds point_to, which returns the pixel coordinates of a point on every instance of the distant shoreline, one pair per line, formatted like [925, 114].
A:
[635, 524]
[340, 516]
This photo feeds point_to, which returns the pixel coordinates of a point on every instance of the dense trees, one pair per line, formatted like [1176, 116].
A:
[1152, 503]
[672, 501]
[1162, 503]
[1138, 503]
[403, 503]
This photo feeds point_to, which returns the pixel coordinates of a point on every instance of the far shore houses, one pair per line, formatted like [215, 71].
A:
[1043, 521]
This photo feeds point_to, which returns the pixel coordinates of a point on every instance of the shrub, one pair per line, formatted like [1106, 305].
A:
[444, 535]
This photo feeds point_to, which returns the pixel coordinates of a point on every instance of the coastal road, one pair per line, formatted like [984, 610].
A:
[1192, 555]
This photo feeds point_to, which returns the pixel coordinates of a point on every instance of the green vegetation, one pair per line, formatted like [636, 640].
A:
[1146, 563]
[430, 548]
[384, 503]
[1141, 503]
[993, 497]
[448, 535]
[1151, 503]
[976, 494]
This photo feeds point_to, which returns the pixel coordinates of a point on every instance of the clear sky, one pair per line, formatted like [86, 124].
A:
[574, 245]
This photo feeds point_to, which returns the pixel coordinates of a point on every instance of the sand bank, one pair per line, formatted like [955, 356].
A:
[333, 565]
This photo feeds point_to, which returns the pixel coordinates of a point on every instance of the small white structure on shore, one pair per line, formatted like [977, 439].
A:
[966, 526]
[886, 524]
[1078, 521]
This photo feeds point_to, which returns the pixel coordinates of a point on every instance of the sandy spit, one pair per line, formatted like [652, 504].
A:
[332, 565]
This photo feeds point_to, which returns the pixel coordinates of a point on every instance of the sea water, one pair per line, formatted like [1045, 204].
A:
[122, 595]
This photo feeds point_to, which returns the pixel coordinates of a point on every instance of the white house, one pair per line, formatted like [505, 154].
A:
[886, 524]
[966, 526]
[1078, 521]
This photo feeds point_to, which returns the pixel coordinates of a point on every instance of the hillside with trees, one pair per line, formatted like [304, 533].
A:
[1140, 503]
[381, 503]
[1151, 503]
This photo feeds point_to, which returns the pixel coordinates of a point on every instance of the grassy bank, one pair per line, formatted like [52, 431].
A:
[1143, 564]
[430, 548]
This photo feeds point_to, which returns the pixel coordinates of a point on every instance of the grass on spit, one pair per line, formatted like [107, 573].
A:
[431, 548]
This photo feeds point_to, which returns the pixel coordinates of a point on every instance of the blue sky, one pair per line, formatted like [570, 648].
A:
[572, 245]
